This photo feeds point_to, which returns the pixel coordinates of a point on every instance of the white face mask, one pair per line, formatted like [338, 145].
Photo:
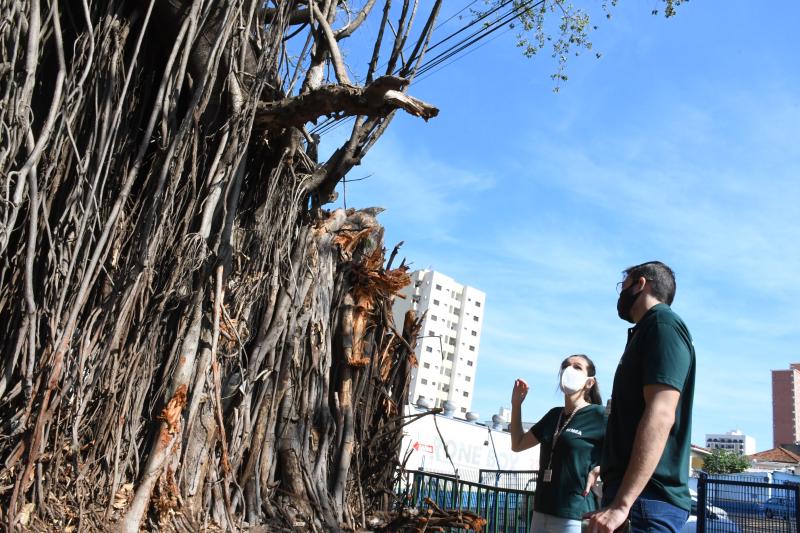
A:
[573, 380]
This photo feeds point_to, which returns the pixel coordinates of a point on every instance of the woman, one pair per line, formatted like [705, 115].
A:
[572, 439]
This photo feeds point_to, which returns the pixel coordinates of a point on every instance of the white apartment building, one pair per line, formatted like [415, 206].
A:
[447, 350]
[732, 441]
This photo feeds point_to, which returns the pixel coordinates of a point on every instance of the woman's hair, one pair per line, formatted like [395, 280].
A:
[592, 395]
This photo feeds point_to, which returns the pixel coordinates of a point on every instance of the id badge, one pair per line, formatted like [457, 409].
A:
[548, 476]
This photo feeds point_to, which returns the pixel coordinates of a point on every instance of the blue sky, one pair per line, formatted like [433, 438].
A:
[679, 144]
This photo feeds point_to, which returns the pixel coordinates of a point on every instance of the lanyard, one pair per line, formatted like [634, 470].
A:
[549, 472]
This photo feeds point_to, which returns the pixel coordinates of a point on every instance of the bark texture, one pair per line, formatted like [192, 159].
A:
[189, 339]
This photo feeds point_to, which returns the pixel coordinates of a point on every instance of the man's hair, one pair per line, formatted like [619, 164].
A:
[660, 276]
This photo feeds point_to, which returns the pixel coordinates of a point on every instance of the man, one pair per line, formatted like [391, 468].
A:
[645, 462]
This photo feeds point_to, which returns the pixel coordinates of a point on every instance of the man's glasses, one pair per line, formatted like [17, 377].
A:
[621, 285]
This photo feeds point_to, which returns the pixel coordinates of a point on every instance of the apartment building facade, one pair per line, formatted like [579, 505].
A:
[448, 347]
[786, 405]
[733, 441]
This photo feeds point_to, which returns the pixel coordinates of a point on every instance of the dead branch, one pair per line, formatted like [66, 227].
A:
[379, 98]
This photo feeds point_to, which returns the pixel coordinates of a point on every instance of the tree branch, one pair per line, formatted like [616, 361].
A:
[379, 98]
[333, 47]
[353, 25]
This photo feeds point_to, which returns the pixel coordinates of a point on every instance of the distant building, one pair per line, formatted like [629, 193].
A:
[786, 405]
[697, 456]
[732, 441]
[448, 347]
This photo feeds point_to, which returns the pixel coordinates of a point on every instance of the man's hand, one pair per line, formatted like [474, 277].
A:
[519, 393]
[606, 520]
[591, 479]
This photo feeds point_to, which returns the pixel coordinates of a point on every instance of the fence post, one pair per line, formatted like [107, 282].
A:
[702, 486]
[796, 507]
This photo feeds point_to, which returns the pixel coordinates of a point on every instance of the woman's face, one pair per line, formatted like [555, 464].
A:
[581, 365]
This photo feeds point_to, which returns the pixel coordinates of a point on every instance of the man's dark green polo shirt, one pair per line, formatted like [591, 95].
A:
[659, 351]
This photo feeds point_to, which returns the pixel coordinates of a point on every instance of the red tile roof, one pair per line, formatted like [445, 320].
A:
[776, 455]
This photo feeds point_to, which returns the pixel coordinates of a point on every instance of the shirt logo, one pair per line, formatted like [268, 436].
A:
[576, 431]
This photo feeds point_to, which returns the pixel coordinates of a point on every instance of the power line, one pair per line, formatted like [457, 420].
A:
[427, 75]
[443, 57]
[331, 123]
[479, 35]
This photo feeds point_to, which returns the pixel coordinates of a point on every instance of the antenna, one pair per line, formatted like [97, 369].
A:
[496, 460]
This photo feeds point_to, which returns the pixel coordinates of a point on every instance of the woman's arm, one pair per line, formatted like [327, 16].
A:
[519, 441]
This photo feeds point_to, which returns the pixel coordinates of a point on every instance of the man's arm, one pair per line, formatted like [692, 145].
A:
[661, 401]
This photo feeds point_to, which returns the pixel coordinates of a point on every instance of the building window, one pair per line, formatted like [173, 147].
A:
[463, 409]
[474, 333]
[426, 365]
[424, 381]
[476, 318]
[438, 287]
[449, 357]
[429, 348]
[477, 304]
[445, 388]
[452, 342]
[448, 372]
[471, 348]
[434, 318]
[467, 378]
[469, 363]
[466, 394]
[436, 302]
[431, 334]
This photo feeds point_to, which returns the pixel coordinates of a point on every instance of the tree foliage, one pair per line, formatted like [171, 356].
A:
[725, 462]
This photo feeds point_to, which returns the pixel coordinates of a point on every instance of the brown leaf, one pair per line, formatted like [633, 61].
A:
[123, 496]
[172, 412]
[24, 516]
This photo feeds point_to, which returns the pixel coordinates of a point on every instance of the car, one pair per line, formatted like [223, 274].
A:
[777, 507]
[716, 522]
[719, 511]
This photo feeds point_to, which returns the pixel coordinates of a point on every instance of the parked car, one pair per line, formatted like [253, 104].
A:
[719, 511]
[777, 507]
[716, 522]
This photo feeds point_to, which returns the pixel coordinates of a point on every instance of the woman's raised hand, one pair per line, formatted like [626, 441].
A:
[519, 392]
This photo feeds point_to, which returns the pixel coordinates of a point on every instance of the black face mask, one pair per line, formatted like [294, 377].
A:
[625, 303]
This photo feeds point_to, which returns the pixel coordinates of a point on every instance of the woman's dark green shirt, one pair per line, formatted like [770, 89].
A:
[577, 451]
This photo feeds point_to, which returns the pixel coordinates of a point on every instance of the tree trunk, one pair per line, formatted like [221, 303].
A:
[189, 339]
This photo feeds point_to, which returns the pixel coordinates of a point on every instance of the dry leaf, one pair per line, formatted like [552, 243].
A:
[123, 496]
[24, 515]
[172, 412]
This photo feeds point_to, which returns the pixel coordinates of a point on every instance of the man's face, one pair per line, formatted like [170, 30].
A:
[624, 284]
[627, 298]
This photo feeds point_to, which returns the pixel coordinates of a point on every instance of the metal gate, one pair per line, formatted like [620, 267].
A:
[734, 506]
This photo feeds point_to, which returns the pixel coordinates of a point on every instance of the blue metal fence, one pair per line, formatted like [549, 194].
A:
[505, 509]
[730, 505]
[733, 506]
[509, 479]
